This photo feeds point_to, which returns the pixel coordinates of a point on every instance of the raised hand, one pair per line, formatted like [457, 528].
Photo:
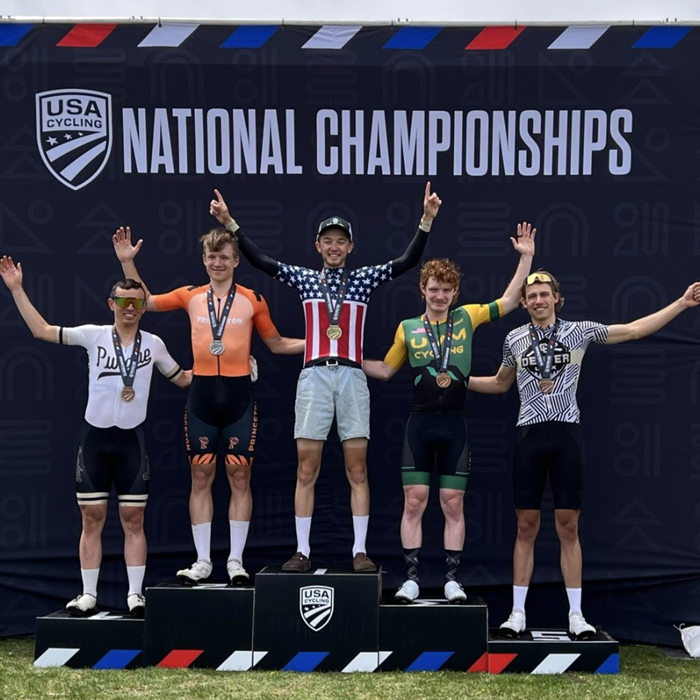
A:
[525, 242]
[431, 203]
[126, 252]
[219, 210]
[11, 273]
[692, 294]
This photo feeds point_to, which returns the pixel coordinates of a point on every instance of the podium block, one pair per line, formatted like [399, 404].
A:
[432, 635]
[106, 640]
[553, 652]
[205, 626]
[323, 620]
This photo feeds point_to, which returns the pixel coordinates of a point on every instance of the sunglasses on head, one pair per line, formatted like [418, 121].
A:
[538, 277]
[123, 302]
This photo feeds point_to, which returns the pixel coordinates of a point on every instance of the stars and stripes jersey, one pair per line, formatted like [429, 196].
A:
[411, 343]
[573, 339]
[105, 406]
[248, 309]
[361, 283]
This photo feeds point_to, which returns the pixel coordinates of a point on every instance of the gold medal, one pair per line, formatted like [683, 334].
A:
[128, 393]
[334, 331]
[443, 380]
[546, 386]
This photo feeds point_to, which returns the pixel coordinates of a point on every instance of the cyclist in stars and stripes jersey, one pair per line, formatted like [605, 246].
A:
[545, 357]
[438, 347]
[332, 382]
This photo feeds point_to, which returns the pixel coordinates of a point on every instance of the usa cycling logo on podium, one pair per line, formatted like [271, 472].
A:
[316, 606]
[74, 134]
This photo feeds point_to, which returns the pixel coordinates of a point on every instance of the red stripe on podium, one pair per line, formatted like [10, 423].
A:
[497, 662]
[180, 658]
[481, 665]
[493, 38]
[87, 36]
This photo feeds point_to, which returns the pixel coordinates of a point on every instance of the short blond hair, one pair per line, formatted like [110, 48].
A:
[217, 239]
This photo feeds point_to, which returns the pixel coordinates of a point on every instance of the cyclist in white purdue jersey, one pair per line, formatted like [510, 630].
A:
[121, 360]
[545, 356]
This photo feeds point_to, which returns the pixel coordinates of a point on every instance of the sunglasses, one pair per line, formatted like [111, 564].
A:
[538, 277]
[123, 302]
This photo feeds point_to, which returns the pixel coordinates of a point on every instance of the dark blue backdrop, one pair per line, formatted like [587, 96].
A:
[623, 243]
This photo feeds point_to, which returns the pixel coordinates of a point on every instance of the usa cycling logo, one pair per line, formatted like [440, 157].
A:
[316, 606]
[74, 134]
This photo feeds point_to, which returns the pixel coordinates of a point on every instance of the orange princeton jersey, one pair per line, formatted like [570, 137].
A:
[249, 309]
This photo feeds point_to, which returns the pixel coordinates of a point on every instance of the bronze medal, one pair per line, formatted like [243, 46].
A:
[334, 331]
[546, 386]
[128, 393]
[443, 380]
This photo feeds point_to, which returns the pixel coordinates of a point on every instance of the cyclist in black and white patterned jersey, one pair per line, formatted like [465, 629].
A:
[545, 356]
[572, 341]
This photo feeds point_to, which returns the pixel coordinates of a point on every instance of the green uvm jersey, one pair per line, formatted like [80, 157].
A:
[411, 342]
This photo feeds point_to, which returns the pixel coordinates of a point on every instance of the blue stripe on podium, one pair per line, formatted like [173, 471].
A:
[306, 661]
[610, 665]
[117, 658]
[430, 661]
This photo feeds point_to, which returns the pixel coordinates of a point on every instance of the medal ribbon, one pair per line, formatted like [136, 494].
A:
[544, 365]
[442, 357]
[334, 302]
[218, 324]
[128, 373]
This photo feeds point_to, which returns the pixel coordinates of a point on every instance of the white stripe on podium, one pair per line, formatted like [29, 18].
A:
[242, 660]
[581, 37]
[55, 657]
[555, 663]
[366, 662]
[331, 37]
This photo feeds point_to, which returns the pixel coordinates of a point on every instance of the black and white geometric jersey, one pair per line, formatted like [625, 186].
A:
[572, 341]
[105, 406]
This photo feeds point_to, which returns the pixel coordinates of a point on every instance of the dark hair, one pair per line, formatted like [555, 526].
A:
[127, 284]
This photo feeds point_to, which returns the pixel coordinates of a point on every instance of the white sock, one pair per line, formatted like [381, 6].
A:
[239, 534]
[135, 575]
[201, 534]
[574, 596]
[359, 526]
[519, 596]
[90, 577]
[303, 528]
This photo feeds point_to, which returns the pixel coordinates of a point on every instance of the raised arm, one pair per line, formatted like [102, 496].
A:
[126, 252]
[498, 384]
[219, 210]
[378, 370]
[284, 346]
[642, 327]
[412, 254]
[525, 245]
[12, 276]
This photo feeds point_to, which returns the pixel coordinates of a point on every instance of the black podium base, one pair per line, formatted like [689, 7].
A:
[322, 620]
[105, 640]
[553, 652]
[432, 635]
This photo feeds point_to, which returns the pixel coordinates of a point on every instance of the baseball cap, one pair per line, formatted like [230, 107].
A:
[335, 222]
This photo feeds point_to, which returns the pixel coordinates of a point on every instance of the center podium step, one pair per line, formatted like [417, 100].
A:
[323, 620]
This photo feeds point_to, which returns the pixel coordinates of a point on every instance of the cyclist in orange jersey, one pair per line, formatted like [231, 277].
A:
[220, 406]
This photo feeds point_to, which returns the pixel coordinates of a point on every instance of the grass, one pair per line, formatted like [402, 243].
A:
[646, 673]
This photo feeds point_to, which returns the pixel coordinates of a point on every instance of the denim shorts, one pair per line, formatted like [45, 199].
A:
[324, 392]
